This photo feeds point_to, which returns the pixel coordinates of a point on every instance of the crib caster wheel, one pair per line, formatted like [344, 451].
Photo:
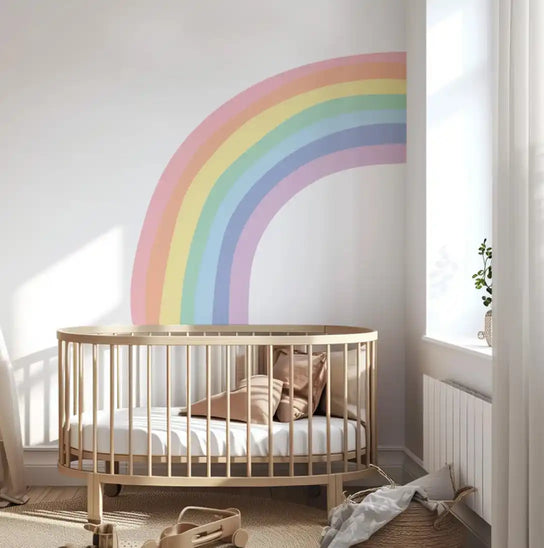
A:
[240, 538]
[112, 489]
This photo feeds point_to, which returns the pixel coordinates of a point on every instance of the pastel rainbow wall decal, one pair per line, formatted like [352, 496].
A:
[238, 168]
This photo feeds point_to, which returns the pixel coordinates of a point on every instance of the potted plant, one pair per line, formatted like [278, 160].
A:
[483, 280]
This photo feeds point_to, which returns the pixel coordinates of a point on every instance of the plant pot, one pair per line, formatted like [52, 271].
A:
[487, 333]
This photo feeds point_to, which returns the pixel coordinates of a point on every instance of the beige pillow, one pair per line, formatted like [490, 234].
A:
[238, 401]
[301, 384]
[337, 384]
[438, 485]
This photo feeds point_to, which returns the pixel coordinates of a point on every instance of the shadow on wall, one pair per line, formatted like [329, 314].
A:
[75, 289]
[36, 380]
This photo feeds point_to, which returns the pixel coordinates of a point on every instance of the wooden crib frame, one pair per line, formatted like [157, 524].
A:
[87, 352]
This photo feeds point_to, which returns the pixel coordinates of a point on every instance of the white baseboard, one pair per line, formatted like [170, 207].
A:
[41, 469]
[413, 465]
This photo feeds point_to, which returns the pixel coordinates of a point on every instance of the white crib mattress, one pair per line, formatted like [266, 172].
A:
[238, 433]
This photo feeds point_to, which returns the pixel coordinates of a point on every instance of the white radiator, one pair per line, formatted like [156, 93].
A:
[457, 431]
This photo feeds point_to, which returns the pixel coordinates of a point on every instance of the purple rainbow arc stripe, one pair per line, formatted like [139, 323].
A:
[221, 162]
[379, 134]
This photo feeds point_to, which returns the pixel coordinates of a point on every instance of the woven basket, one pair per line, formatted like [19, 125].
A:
[414, 528]
[418, 527]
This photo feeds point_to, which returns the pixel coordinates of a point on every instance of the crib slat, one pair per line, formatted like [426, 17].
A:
[291, 426]
[227, 434]
[168, 411]
[188, 387]
[113, 354]
[374, 388]
[358, 432]
[95, 407]
[345, 407]
[310, 410]
[148, 402]
[82, 361]
[249, 365]
[118, 374]
[80, 404]
[208, 413]
[67, 441]
[367, 405]
[61, 400]
[270, 413]
[130, 411]
[328, 410]
[75, 377]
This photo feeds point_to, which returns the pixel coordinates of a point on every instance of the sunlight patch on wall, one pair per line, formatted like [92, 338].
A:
[79, 289]
[444, 53]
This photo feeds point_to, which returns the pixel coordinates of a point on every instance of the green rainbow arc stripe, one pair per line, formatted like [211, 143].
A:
[240, 166]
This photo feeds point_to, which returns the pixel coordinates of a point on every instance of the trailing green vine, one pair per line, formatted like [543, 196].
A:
[482, 278]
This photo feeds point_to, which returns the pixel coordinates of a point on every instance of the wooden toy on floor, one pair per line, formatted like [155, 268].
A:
[184, 534]
[104, 536]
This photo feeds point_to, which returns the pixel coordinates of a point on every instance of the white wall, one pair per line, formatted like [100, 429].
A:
[440, 361]
[97, 97]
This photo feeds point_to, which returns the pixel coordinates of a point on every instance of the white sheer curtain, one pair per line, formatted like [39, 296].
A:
[518, 264]
[13, 488]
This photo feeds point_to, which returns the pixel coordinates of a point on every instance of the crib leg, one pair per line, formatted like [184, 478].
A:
[334, 491]
[94, 499]
[112, 489]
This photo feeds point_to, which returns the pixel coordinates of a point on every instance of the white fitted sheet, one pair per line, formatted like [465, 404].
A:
[238, 433]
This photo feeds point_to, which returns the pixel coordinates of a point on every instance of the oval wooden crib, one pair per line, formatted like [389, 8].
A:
[184, 405]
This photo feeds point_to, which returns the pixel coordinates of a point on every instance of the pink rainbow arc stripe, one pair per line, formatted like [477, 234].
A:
[172, 175]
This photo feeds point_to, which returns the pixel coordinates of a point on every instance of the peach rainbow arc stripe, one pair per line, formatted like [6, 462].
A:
[179, 202]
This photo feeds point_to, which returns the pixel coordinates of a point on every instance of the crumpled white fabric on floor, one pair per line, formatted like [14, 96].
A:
[13, 489]
[354, 523]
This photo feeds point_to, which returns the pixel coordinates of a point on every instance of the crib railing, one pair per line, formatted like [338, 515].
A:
[103, 370]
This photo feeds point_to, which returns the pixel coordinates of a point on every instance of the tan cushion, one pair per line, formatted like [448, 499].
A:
[238, 401]
[337, 384]
[300, 384]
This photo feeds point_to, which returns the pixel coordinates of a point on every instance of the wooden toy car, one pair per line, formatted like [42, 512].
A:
[184, 534]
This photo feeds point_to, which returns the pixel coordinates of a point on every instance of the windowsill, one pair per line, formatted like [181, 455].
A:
[471, 346]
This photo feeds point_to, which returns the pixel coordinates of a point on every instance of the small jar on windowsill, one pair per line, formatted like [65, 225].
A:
[487, 333]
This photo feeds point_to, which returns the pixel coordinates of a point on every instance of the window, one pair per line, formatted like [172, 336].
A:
[460, 78]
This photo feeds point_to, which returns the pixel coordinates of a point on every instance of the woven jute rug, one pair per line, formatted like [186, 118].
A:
[141, 514]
